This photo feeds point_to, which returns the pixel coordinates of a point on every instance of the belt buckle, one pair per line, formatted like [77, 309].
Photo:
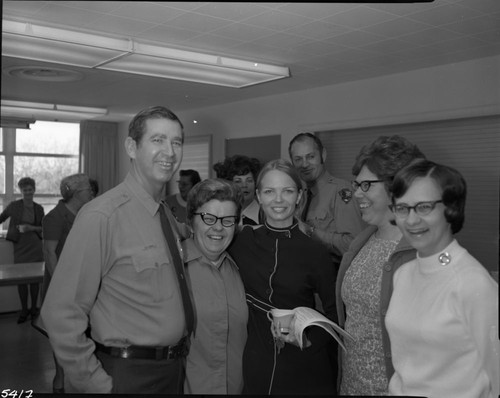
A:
[125, 353]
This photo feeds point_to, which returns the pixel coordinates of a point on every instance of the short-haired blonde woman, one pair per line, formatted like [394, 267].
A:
[25, 232]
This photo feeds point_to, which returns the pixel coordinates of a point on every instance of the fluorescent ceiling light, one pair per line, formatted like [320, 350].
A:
[29, 41]
[43, 111]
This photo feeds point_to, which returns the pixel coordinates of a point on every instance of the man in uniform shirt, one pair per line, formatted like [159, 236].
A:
[332, 216]
[117, 273]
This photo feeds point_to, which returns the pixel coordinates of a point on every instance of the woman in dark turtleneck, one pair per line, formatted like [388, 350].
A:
[281, 267]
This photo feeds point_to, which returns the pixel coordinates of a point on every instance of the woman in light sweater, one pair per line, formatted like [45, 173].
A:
[443, 314]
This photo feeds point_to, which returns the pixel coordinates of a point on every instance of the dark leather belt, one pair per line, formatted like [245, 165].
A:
[142, 352]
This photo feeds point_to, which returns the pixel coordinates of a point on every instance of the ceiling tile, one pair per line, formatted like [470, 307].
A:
[95, 6]
[492, 36]
[231, 11]
[211, 42]
[282, 39]
[319, 11]
[386, 46]
[243, 32]
[120, 26]
[429, 36]
[65, 16]
[318, 30]
[26, 7]
[397, 27]
[360, 17]
[167, 34]
[460, 44]
[403, 9]
[150, 12]
[356, 38]
[277, 20]
[197, 22]
[485, 6]
[444, 14]
[474, 25]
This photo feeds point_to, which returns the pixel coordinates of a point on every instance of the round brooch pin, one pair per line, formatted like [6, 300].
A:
[444, 258]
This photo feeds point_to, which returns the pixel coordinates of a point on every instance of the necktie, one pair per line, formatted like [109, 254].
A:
[179, 270]
[308, 203]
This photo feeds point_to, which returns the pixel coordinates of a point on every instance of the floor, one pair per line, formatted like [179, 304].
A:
[26, 361]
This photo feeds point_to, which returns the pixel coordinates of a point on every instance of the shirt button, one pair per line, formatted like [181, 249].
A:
[384, 312]
[388, 267]
[388, 355]
[268, 291]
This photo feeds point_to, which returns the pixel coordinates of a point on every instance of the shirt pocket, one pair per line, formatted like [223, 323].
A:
[152, 274]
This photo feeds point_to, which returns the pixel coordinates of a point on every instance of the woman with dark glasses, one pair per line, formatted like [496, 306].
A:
[443, 314]
[214, 362]
[365, 275]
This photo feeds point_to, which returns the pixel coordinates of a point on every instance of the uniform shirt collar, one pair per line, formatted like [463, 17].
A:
[191, 253]
[140, 193]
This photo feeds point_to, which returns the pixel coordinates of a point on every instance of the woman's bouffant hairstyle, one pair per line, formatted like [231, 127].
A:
[237, 165]
[138, 123]
[385, 156]
[447, 178]
[213, 188]
[71, 184]
[26, 182]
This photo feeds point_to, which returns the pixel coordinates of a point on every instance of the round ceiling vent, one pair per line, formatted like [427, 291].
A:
[43, 74]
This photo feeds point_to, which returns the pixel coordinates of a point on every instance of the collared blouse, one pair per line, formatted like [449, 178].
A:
[214, 362]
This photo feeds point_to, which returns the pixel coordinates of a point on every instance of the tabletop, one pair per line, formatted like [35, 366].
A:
[21, 273]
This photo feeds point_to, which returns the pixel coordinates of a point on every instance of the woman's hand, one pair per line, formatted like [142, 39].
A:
[289, 338]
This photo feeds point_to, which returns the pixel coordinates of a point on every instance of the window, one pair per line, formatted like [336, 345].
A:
[196, 156]
[47, 152]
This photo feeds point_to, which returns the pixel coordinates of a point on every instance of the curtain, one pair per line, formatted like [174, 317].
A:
[98, 152]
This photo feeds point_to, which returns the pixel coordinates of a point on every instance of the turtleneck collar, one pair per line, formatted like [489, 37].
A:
[441, 261]
[284, 232]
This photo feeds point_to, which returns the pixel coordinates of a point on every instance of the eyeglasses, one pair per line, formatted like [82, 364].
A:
[210, 219]
[364, 185]
[421, 208]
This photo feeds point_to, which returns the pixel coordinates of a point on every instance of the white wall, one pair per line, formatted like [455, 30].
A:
[470, 88]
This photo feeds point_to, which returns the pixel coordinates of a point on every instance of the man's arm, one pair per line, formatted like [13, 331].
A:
[71, 295]
[49, 255]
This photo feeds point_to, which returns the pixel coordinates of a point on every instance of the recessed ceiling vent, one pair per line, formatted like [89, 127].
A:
[42, 74]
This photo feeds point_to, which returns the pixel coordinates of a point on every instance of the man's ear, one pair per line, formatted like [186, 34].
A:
[130, 147]
[323, 155]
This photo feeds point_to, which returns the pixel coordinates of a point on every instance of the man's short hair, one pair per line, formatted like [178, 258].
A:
[138, 123]
[303, 137]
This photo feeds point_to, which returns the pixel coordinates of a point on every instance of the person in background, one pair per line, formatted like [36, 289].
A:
[25, 232]
[243, 171]
[214, 362]
[443, 314]
[117, 273]
[76, 191]
[177, 202]
[95, 187]
[331, 215]
[364, 280]
[283, 268]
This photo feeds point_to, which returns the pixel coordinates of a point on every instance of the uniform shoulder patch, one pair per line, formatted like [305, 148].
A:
[345, 195]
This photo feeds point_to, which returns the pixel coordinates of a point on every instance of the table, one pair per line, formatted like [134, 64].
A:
[21, 273]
